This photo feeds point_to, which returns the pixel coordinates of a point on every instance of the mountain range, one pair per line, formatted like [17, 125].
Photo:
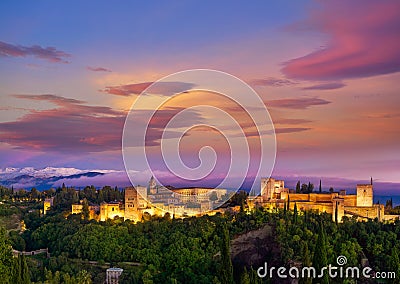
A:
[48, 177]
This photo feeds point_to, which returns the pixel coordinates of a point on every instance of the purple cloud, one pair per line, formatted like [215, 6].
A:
[273, 82]
[293, 121]
[50, 54]
[98, 69]
[291, 130]
[297, 103]
[363, 41]
[74, 127]
[162, 88]
[325, 86]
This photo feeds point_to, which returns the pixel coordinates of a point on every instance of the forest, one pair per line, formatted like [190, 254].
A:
[189, 250]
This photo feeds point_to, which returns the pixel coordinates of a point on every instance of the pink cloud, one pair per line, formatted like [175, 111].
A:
[296, 103]
[325, 86]
[292, 121]
[162, 88]
[75, 127]
[273, 82]
[364, 41]
[291, 130]
[50, 54]
[98, 69]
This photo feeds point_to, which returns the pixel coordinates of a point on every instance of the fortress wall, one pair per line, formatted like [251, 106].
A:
[350, 200]
[324, 197]
[375, 211]
[298, 197]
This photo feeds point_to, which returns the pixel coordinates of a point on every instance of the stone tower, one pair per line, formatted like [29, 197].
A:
[152, 186]
[365, 195]
[264, 193]
[337, 204]
[131, 210]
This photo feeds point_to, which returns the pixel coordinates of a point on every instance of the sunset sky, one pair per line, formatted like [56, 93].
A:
[327, 71]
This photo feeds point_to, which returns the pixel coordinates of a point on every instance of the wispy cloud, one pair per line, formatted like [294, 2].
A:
[50, 54]
[296, 103]
[161, 88]
[98, 69]
[325, 86]
[273, 82]
[72, 126]
[291, 130]
[364, 41]
[292, 121]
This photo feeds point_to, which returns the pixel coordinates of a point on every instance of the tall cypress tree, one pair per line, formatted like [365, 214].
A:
[25, 277]
[226, 262]
[394, 265]
[306, 261]
[336, 213]
[295, 213]
[284, 208]
[298, 189]
[20, 271]
[320, 258]
[85, 209]
[320, 186]
[244, 277]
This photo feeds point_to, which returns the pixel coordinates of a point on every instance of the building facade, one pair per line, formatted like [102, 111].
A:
[339, 204]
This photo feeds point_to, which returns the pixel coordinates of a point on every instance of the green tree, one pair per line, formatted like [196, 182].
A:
[244, 277]
[394, 265]
[85, 209]
[320, 258]
[336, 213]
[226, 273]
[83, 277]
[6, 260]
[298, 189]
[21, 271]
[284, 208]
[306, 261]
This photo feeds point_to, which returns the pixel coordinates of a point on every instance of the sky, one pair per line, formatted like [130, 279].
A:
[327, 71]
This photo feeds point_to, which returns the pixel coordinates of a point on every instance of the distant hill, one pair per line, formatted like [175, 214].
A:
[45, 178]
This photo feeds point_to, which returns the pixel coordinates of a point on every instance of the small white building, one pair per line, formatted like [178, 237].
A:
[113, 274]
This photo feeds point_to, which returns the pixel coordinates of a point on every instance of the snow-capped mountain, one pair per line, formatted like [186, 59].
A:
[48, 177]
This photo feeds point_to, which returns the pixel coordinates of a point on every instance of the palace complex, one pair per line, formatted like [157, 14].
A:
[339, 204]
[157, 200]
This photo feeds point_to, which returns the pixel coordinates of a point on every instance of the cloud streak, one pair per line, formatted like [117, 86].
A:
[73, 127]
[50, 54]
[69, 127]
[273, 82]
[161, 88]
[296, 103]
[364, 41]
[98, 69]
[325, 86]
[291, 130]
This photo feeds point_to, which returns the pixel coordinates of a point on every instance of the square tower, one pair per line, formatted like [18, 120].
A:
[131, 204]
[271, 188]
[365, 195]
